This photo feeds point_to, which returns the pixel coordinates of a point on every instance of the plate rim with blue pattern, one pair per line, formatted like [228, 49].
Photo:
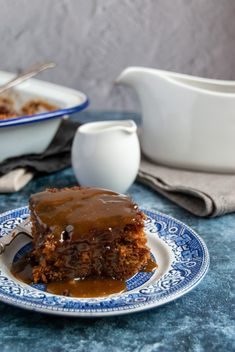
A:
[188, 263]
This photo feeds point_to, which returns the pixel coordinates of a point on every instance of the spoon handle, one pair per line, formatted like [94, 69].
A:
[24, 227]
[34, 70]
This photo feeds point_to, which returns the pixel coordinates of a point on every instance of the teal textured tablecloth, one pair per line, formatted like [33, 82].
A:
[202, 320]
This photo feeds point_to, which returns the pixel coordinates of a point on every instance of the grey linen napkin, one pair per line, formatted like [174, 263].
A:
[201, 193]
[15, 173]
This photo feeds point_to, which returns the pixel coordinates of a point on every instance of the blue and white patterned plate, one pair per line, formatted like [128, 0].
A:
[181, 255]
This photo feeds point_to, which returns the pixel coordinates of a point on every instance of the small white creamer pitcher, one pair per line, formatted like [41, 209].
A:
[106, 154]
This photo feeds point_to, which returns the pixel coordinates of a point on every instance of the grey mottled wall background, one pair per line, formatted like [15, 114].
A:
[93, 40]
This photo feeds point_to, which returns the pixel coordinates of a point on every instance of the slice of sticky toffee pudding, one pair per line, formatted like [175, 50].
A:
[86, 232]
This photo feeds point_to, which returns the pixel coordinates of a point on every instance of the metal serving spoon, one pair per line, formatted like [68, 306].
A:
[22, 228]
[34, 70]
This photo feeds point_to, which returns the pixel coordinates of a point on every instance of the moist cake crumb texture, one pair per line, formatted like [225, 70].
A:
[86, 232]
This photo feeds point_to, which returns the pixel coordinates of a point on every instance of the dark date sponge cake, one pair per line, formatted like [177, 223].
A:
[86, 232]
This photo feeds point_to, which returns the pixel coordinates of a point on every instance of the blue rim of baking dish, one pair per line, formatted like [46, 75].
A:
[22, 120]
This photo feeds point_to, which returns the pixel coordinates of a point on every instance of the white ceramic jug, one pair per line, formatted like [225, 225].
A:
[187, 121]
[106, 154]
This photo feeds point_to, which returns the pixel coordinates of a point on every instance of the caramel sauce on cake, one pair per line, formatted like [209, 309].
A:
[87, 288]
[83, 288]
[77, 214]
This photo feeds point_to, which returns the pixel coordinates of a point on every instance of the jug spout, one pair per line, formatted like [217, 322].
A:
[127, 126]
[130, 76]
[145, 81]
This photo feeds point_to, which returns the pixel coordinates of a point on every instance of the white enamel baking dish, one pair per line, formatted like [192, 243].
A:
[33, 134]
